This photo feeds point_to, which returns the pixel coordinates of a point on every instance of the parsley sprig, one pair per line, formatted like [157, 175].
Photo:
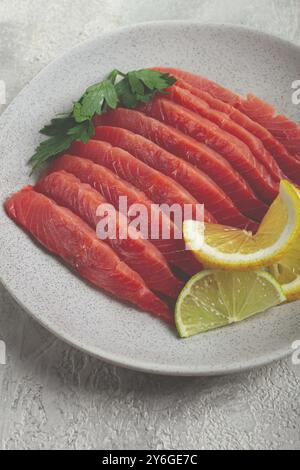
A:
[118, 89]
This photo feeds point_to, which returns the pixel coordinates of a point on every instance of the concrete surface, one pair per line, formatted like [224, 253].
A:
[52, 396]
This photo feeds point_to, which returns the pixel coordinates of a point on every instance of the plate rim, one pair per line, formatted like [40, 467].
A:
[114, 359]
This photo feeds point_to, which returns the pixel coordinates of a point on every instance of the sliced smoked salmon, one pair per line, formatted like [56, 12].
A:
[68, 236]
[231, 148]
[204, 83]
[289, 165]
[190, 141]
[112, 187]
[158, 187]
[198, 183]
[198, 154]
[190, 101]
[281, 127]
[140, 255]
[233, 105]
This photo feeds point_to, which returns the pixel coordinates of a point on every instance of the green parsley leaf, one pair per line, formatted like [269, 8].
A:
[155, 80]
[58, 125]
[135, 83]
[112, 77]
[62, 135]
[131, 88]
[93, 100]
[125, 94]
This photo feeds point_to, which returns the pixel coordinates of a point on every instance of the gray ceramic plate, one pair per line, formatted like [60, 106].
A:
[241, 59]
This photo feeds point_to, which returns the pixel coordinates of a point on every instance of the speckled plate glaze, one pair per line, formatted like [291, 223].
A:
[241, 59]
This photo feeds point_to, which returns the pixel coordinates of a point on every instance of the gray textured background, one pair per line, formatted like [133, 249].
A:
[52, 396]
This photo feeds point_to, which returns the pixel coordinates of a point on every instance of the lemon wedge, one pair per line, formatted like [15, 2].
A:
[287, 271]
[229, 248]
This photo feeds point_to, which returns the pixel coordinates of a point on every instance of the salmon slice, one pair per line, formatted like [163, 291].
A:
[112, 187]
[203, 83]
[194, 103]
[66, 235]
[231, 148]
[140, 255]
[199, 184]
[281, 127]
[286, 162]
[214, 97]
[158, 187]
[190, 150]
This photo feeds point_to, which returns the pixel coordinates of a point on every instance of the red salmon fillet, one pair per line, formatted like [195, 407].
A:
[215, 97]
[289, 165]
[198, 154]
[282, 128]
[224, 121]
[112, 187]
[199, 184]
[231, 148]
[66, 235]
[158, 187]
[205, 84]
[140, 255]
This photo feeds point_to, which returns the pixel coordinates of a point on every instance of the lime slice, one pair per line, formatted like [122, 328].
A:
[234, 249]
[212, 299]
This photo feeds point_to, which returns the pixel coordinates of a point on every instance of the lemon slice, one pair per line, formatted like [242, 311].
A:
[287, 271]
[214, 298]
[234, 249]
